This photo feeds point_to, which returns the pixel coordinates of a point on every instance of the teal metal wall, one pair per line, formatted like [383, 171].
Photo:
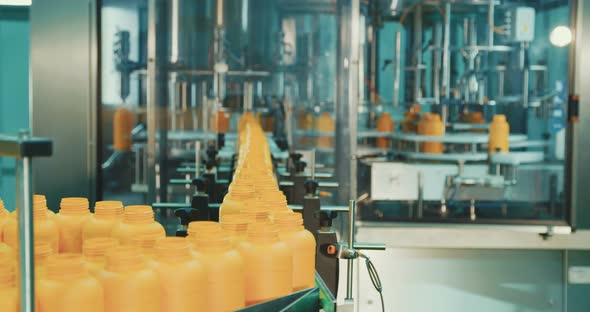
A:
[14, 86]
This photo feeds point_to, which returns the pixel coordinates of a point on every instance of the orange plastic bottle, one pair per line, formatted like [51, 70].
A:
[325, 124]
[107, 214]
[268, 264]
[146, 244]
[137, 220]
[236, 227]
[95, 250]
[499, 135]
[130, 285]
[431, 125]
[67, 286]
[233, 202]
[411, 117]
[183, 282]
[8, 291]
[4, 216]
[43, 252]
[385, 125]
[224, 269]
[45, 228]
[260, 214]
[72, 215]
[303, 244]
[123, 121]
[8, 251]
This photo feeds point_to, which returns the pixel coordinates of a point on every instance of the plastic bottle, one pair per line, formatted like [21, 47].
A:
[183, 282]
[224, 269]
[67, 286]
[123, 121]
[43, 252]
[6, 250]
[268, 264]
[431, 125]
[499, 135]
[8, 291]
[4, 216]
[260, 214]
[146, 244]
[107, 214]
[411, 117]
[236, 227]
[325, 124]
[235, 199]
[72, 215]
[130, 285]
[137, 220]
[95, 250]
[303, 244]
[45, 228]
[384, 125]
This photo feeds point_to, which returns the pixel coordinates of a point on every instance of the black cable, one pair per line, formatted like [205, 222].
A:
[374, 276]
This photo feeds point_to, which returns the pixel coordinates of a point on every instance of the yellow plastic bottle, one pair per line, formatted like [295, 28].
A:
[384, 125]
[107, 214]
[137, 220]
[268, 264]
[43, 252]
[303, 244]
[146, 244]
[224, 269]
[183, 282]
[123, 121]
[45, 228]
[67, 286]
[4, 216]
[95, 250]
[325, 124]
[411, 118]
[130, 285]
[431, 125]
[259, 214]
[499, 135]
[72, 215]
[236, 227]
[8, 291]
[236, 198]
[7, 251]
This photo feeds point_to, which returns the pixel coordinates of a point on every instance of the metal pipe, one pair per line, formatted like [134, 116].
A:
[491, 24]
[312, 163]
[436, 63]
[397, 68]
[151, 102]
[25, 234]
[351, 229]
[447, 53]
[197, 158]
[417, 52]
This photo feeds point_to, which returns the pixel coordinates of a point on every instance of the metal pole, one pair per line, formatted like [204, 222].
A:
[397, 68]
[417, 53]
[312, 162]
[446, 62]
[351, 229]
[436, 63]
[197, 158]
[491, 23]
[25, 232]
[347, 97]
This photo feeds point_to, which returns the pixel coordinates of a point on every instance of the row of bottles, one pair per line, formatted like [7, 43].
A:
[430, 124]
[118, 258]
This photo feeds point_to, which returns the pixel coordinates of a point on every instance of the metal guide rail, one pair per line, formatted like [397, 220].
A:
[24, 148]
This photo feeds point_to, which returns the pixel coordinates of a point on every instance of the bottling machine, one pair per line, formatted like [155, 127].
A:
[389, 103]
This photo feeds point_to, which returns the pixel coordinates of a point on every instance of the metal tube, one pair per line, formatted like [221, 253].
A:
[312, 163]
[351, 229]
[197, 158]
[491, 23]
[397, 68]
[447, 53]
[417, 52]
[436, 63]
[25, 234]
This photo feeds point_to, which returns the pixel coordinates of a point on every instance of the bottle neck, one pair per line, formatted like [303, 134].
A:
[172, 249]
[42, 252]
[198, 228]
[124, 259]
[235, 229]
[109, 210]
[65, 266]
[138, 215]
[262, 233]
[74, 206]
[95, 249]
